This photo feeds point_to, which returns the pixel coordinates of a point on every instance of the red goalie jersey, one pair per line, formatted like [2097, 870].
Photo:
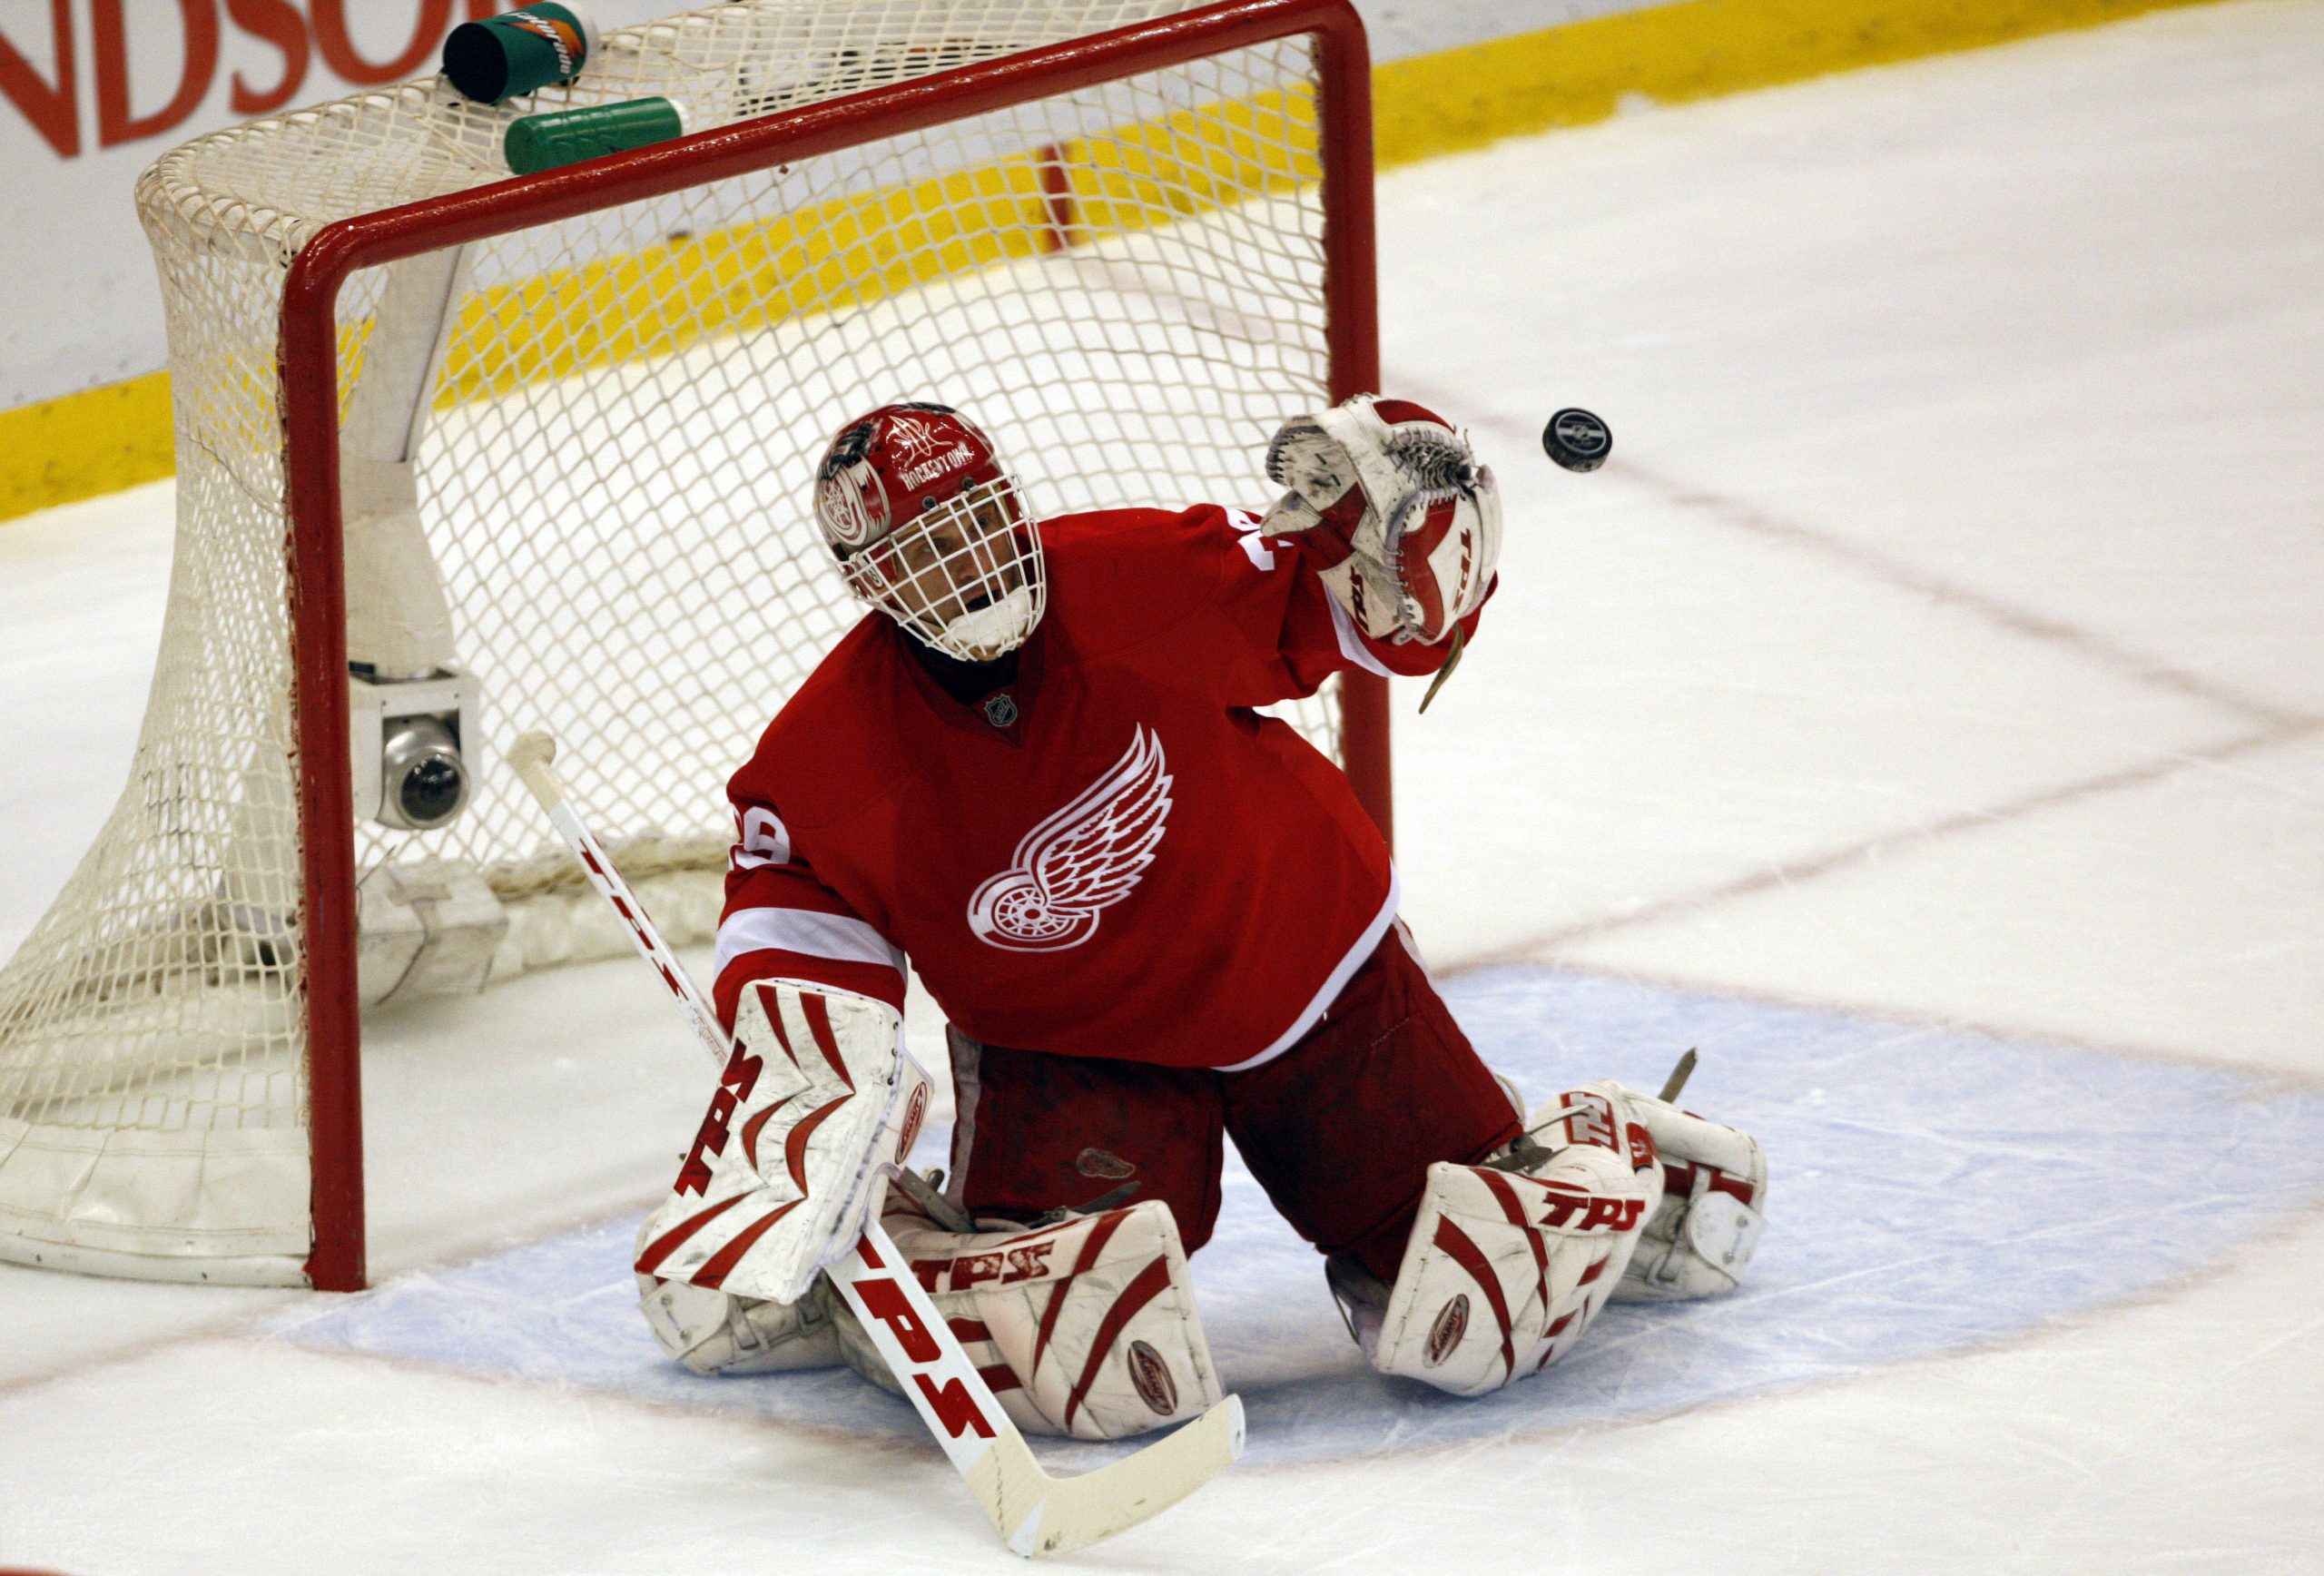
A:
[1112, 856]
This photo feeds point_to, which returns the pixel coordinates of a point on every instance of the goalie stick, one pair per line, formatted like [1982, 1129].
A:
[1034, 1512]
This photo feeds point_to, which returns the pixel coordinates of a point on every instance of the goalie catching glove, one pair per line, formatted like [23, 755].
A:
[1392, 503]
[816, 1098]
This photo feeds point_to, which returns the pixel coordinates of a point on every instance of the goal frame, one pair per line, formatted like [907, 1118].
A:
[308, 366]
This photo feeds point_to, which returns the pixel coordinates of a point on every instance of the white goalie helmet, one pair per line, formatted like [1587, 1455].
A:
[928, 528]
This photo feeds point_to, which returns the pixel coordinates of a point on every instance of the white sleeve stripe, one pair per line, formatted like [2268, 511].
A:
[801, 930]
[1351, 639]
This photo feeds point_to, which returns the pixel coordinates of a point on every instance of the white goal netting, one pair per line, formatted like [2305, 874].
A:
[576, 464]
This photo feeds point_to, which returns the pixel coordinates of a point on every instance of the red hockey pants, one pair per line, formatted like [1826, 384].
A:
[1340, 1129]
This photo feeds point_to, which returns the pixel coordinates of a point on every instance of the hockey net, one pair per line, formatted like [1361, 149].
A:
[575, 456]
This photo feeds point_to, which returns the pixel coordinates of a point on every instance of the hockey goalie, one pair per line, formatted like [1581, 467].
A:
[1154, 918]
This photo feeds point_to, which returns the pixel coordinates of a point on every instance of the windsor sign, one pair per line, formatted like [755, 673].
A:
[91, 93]
[95, 50]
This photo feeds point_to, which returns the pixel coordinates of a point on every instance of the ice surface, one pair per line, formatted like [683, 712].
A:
[1920, 715]
[1956, 1189]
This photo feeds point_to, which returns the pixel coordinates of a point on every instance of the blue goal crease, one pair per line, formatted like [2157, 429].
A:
[1930, 1191]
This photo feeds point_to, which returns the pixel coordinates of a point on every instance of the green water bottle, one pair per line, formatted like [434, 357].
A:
[527, 49]
[560, 137]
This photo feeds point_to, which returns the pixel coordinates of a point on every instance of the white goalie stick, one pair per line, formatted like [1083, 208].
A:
[1034, 1512]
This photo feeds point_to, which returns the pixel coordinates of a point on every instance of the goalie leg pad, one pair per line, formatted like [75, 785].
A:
[1509, 1261]
[1700, 1240]
[1085, 1327]
[715, 1332]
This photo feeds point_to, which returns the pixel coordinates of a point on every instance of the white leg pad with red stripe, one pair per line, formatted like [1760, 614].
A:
[1087, 1328]
[1505, 1268]
[817, 1096]
[1700, 1238]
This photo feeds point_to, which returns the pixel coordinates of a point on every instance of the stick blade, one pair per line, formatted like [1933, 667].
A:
[1039, 1515]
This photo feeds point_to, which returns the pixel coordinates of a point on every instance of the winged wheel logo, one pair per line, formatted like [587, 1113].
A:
[1084, 858]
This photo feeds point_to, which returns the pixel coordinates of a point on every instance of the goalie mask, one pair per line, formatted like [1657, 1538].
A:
[929, 529]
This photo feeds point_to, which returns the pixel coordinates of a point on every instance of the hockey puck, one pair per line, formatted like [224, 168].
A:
[1577, 441]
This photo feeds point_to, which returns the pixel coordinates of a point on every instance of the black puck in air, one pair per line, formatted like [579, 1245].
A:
[1577, 439]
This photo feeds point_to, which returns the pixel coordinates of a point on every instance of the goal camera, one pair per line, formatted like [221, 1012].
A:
[406, 735]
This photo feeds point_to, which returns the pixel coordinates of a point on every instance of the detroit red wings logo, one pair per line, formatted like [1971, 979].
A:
[1087, 857]
[845, 510]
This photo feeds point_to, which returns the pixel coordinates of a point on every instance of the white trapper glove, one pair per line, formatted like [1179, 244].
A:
[1394, 507]
[817, 1098]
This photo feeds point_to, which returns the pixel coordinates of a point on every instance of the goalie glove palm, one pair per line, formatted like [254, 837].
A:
[1392, 503]
[817, 1096]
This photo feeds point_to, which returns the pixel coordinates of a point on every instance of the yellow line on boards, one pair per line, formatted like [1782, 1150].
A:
[81, 445]
[859, 248]
[119, 435]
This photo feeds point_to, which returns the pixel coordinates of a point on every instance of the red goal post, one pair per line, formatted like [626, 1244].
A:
[314, 368]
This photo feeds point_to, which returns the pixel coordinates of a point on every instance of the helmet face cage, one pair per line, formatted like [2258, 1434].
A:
[965, 575]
